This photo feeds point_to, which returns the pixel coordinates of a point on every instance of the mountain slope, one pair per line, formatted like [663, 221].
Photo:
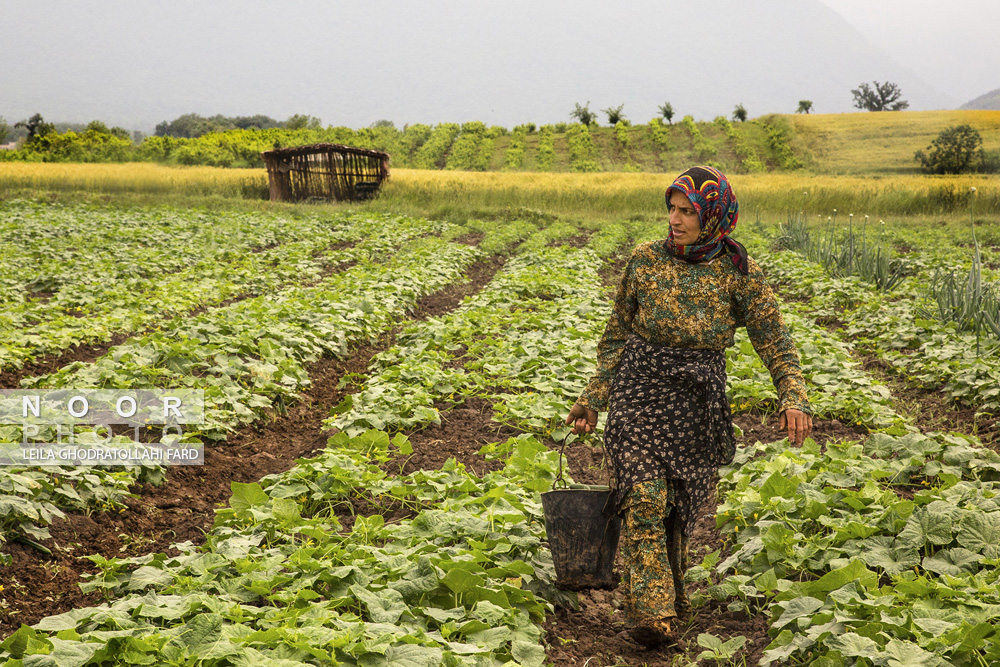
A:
[990, 100]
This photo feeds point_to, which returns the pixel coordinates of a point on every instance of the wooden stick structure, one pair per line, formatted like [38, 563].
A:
[325, 171]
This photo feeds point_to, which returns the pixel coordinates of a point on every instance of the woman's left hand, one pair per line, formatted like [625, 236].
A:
[798, 423]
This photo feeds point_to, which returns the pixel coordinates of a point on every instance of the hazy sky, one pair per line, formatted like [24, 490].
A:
[953, 44]
[135, 63]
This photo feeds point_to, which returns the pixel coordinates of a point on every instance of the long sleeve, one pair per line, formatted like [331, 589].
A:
[697, 306]
[757, 306]
[609, 349]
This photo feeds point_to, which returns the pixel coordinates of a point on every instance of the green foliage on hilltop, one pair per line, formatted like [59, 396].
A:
[750, 161]
[514, 157]
[431, 155]
[824, 143]
[473, 149]
[546, 149]
[89, 146]
[958, 149]
[582, 152]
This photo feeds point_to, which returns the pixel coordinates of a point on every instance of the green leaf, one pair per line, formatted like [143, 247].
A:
[444, 615]
[461, 581]
[795, 609]
[933, 626]
[66, 621]
[777, 485]
[23, 641]
[785, 645]
[384, 606]
[413, 655]
[980, 533]
[497, 597]
[488, 612]
[286, 511]
[72, 653]
[202, 637]
[766, 582]
[345, 405]
[890, 555]
[709, 641]
[527, 653]
[148, 575]
[855, 571]
[972, 638]
[952, 562]
[246, 496]
[419, 579]
[402, 443]
[853, 645]
[926, 526]
[905, 654]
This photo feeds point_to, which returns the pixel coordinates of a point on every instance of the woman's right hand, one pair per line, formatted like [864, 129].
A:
[583, 419]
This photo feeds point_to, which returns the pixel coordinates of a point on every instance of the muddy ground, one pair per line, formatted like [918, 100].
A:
[182, 509]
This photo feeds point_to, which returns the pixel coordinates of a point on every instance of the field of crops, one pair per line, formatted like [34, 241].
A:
[460, 195]
[384, 399]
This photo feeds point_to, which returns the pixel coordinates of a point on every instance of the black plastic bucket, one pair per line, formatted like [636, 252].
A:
[583, 539]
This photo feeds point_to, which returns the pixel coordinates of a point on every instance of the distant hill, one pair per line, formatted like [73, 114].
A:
[990, 100]
[882, 142]
[847, 143]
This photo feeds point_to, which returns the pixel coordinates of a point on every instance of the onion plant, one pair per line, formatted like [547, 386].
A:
[969, 302]
[850, 255]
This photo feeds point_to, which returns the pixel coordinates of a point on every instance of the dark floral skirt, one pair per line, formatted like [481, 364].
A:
[669, 418]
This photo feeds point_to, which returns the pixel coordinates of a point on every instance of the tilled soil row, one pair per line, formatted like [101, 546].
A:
[930, 409]
[936, 412]
[595, 632]
[183, 507]
[89, 352]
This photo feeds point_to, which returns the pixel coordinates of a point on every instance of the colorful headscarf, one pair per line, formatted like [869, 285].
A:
[713, 198]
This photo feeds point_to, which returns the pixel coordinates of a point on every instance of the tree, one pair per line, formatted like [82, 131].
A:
[884, 97]
[4, 130]
[740, 113]
[583, 114]
[956, 150]
[36, 126]
[187, 126]
[805, 106]
[258, 122]
[303, 122]
[667, 111]
[615, 115]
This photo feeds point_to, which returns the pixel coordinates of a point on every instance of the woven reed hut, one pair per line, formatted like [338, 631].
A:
[328, 171]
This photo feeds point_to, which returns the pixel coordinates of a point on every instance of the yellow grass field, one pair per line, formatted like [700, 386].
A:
[622, 195]
[128, 178]
[597, 196]
[882, 141]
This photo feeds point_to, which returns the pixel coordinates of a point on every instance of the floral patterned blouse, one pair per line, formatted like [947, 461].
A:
[671, 302]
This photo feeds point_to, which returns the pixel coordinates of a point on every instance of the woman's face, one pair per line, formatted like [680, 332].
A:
[684, 224]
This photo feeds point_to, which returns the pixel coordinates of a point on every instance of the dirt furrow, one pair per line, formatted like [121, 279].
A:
[595, 633]
[930, 410]
[183, 507]
[10, 378]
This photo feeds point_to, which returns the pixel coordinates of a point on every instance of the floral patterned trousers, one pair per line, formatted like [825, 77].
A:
[654, 551]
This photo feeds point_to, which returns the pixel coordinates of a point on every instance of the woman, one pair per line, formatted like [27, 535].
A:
[662, 377]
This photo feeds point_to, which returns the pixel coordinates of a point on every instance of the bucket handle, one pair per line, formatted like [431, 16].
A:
[560, 482]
